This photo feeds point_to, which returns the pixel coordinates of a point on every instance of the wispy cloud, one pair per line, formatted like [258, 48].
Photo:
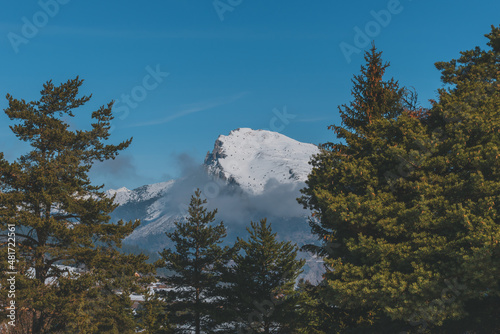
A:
[113, 172]
[191, 109]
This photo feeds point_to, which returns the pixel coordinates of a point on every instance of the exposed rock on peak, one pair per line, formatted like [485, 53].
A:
[251, 158]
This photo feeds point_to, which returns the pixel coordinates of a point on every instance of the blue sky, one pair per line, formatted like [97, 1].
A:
[193, 70]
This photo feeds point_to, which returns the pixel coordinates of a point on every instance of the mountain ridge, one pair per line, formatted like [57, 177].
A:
[249, 175]
[269, 155]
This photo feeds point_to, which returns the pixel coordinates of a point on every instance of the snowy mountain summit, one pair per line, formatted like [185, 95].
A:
[254, 158]
[263, 172]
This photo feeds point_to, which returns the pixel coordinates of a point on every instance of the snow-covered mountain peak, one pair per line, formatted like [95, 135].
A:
[251, 158]
[150, 191]
[259, 161]
[122, 195]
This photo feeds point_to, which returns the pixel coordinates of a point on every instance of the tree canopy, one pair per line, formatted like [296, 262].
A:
[69, 269]
[261, 293]
[406, 207]
[196, 263]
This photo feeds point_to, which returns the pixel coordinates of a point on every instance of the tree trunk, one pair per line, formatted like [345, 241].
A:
[37, 322]
[197, 314]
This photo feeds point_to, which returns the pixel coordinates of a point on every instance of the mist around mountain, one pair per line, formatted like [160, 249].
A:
[249, 175]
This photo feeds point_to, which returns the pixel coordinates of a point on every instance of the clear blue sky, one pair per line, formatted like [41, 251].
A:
[223, 74]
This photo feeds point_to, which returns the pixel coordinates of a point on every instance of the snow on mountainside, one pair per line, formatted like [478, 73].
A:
[251, 158]
[249, 175]
[144, 193]
[142, 196]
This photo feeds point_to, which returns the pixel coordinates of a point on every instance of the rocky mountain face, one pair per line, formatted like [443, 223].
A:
[252, 158]
[249, 175]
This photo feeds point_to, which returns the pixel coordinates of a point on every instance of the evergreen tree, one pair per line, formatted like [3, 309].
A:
[373, 97]
[196, 262]
[411, 209]
[61, 220]
[463, 187]
[261, 296]
[315, 316]
[153, 317]
[310, 317]
[350, 190]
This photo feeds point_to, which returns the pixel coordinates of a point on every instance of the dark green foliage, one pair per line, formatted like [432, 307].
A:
[406, 208]
[196, 262]
[313, 316]
[373, 97]
[261, 296]
[153, 317]
[466, 186]
[61, 218]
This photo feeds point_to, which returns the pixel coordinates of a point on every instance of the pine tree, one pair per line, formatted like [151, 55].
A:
[408, 213]
[463, 197]
[314, 316]
[356, 213]
[261, 295]
[61, 220]
[196, 262]
[373, 97]
[310, 316]
[153, 317]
